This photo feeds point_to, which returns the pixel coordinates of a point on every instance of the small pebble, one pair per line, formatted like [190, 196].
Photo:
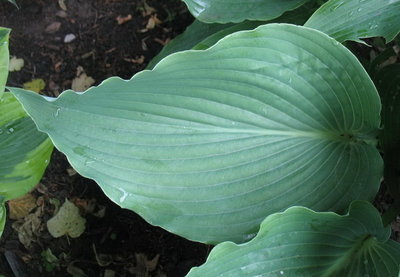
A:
[69, 38]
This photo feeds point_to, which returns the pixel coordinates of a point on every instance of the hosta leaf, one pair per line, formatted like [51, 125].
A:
[298, 17]
[224, 11]
[201, 36]
[355, 19]
[211, 142]
[3, 215]
[4, 58]
[300, 242]
[24, 151]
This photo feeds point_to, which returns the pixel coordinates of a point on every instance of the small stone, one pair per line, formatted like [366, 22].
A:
[53, 27]
[62, 14]
[69, 38]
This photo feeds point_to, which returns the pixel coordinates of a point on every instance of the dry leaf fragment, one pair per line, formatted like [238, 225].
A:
[62, 5]
[67, 222]
[28, 228]
[137, 60]
[147, 10]
[162, 42]
[15, 64]
[21, 207]
[71, 171]
[123, 19]
[144, 265]
[62, 14]
[36, 85]
[152, 22]
[75, 271]
[109, 273]
[82, 82]
[53, 27]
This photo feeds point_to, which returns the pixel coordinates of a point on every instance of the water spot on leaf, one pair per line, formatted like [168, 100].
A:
[124, 195]
[57, 112]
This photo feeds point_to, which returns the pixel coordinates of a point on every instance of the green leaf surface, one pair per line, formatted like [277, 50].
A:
[225, 11]
[24, 151]
[302, 243]
[201, 35]
[3, 215]
[298, 17]
[355, 19]
[209, 143]
[4, 58]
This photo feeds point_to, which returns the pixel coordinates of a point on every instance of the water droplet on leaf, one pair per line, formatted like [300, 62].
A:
[57, 112]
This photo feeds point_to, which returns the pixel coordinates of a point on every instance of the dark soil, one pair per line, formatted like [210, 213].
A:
[120, 243]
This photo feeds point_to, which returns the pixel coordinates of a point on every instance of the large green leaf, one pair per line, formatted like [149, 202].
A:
[209, 143]
[24, 151]
[300, 242]
[224, 11]
[4, 58]
[355, 19]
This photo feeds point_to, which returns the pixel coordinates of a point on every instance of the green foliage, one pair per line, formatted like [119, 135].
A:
[214, 141]
[24, 151]
[3, 215]
[219, 11]
[355, 19]
[300, 242]
[210, 142]
[201, 36]
[4, 58]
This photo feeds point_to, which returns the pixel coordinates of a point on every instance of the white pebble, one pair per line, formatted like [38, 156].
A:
[69, 38]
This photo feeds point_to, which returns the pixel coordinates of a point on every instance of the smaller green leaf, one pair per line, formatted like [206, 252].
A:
[24, 151]
[222, 11]
[4, 58]
[302, 243]
[298, 17]
[67, 222]
[355, 19]
[3, 215]
[200, 36]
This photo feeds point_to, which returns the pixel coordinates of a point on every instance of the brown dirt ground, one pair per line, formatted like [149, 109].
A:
[121, 242]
